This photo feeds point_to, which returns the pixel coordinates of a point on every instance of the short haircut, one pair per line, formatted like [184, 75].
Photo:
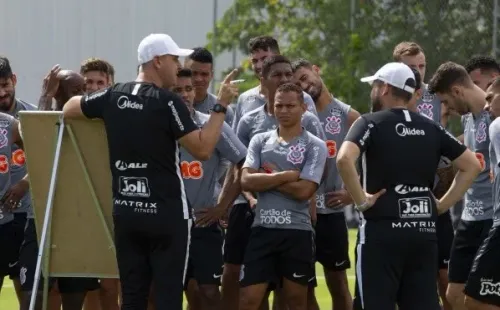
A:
[418, 79]
[483, 63]
[301, 63]
[291, 88]
[184, 73]
[265, 43]
[406, 49]
[96, 64]
[270, 61]
[201, 54]
[448, 75]
[5, 69]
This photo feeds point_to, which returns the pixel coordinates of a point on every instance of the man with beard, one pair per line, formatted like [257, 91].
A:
[12, 226]
[201, 64]
[205, 257]
[284, 167]
[482, 70]
[332, 239]
[68, 83]
[483, 284]
[454, 87]
[411, 54]
[396, 246]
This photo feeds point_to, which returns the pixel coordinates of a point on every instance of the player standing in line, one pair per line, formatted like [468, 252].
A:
[13, 166]
[332, 239]
[98, 74]
[483, 285]
[482, 70]
[411, 54]
[276, 70]
[205, 258]
[260, 48]
[201, 64]
[284, 167]
[454, 87]
[397, 247]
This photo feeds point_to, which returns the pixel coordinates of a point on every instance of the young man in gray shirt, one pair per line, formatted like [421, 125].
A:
[454, 87]
[205, 254]
[276, 70]
[284, 167]
[482, 289]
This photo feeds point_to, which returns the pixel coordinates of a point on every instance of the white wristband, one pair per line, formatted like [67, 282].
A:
[362, 207]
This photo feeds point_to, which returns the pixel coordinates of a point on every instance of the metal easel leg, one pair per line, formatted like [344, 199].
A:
[45, 238]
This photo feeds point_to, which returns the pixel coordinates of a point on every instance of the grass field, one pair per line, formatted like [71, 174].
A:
[8, 300]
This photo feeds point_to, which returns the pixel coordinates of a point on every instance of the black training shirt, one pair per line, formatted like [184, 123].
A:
[142, 124]
[400, 151]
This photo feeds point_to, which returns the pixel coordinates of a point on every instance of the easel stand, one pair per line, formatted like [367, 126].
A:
[44, 252]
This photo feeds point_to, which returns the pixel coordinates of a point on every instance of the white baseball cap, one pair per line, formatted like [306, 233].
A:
[159, 44]
[396, 74]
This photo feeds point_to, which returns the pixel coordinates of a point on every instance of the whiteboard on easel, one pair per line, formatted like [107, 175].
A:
[80, 245]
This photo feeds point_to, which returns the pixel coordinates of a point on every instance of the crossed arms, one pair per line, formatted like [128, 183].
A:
[286, 182]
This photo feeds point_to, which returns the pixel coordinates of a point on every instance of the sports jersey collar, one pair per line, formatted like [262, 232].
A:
[276, 136]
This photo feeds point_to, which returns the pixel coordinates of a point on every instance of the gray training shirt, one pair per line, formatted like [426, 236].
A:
[253, 99]
[258, 121]
[306, 154]
[429, 105]
[494, 132]
[18, 163]
[200, 177]
[334, 119]
[478, 202]
[6, 123]
[207, 105]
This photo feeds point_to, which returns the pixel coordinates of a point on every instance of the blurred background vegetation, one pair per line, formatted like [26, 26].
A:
[348, 39]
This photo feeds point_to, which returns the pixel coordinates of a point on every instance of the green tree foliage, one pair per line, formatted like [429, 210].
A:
[349, 44]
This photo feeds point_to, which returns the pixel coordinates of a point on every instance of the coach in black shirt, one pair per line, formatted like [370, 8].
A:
[143, 123]
[400, 150]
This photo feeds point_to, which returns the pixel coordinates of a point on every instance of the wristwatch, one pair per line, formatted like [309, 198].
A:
[219, 108]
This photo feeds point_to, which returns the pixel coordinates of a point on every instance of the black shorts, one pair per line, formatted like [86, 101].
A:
[332, 242]
[205, 255]
[27, 262]
[394, 266]
[468, 238]
[444, 231]
[152, 249]
[274, 254]
[239, 228]
[484, 279]
[11, 238]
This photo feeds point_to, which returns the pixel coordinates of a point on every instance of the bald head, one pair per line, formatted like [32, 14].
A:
[69, 76]
[71, 84]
